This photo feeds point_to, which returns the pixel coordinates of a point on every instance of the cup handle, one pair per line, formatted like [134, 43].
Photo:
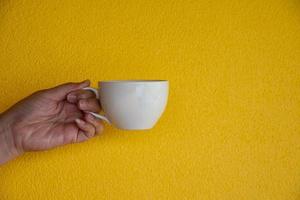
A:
[95, 91]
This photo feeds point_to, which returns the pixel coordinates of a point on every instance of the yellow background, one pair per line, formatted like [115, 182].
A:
[232, 126]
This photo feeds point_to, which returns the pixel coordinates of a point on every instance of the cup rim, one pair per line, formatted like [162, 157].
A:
[132, 81]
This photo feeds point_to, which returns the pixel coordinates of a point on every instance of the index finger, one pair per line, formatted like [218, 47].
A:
[75, 96]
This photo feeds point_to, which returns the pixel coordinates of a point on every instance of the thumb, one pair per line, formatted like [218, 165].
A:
[60, 92]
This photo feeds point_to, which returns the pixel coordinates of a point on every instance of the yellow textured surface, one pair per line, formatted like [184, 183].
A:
[232, 126]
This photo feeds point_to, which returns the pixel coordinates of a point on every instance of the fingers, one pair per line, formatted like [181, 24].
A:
[60, 92]
[86, 100]
[95, 122]
[75, 96]
[88, 128]
[91, 105]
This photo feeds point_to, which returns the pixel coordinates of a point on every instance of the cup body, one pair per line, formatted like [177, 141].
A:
[133, 105]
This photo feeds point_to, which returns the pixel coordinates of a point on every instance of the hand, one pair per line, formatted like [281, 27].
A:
[49, 118]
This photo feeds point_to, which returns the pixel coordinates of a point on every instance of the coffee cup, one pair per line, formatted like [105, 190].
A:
[131, 104]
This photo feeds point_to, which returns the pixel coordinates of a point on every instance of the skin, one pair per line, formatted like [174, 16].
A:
[49, 118]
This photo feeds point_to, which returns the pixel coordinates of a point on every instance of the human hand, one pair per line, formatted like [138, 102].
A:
[49, 118]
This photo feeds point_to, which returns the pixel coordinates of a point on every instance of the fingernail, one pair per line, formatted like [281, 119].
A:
[79, 121]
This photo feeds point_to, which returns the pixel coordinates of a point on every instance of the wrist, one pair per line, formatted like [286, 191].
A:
[8, 150]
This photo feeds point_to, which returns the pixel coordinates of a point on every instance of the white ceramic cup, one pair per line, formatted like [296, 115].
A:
[132, 104]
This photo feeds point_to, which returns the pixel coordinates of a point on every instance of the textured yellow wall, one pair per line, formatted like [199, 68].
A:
[232, 126]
